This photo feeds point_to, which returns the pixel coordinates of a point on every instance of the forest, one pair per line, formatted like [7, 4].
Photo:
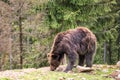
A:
[28, 27]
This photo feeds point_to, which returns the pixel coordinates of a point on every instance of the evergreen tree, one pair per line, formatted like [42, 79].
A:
[98, 15]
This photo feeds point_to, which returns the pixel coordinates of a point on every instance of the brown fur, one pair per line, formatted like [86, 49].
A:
[75, 42]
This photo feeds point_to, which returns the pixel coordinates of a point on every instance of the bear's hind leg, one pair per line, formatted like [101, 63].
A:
[81, 60]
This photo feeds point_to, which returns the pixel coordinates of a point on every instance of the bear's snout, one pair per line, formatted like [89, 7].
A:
[52, 68]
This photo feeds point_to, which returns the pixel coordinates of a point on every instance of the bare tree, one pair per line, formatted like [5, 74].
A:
[5, 33]
[20, 7]
[21, 28]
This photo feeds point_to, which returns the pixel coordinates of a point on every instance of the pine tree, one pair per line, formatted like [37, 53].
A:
[98, 15]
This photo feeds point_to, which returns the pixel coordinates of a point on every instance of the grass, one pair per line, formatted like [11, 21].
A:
[95, 75]
[63, 76]
[38, 74]
[4, 78]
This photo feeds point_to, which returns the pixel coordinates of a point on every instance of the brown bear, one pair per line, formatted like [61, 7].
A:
[79, 42]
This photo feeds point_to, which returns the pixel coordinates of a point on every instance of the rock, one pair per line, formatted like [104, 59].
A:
[118, 64]
[83, 78]
[115, 74]
[70, 71]
[105, 70]
[62, 78]
[118, 77]
[60, 68]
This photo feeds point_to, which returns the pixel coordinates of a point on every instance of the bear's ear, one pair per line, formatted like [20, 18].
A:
[55, 56]
[48, 55]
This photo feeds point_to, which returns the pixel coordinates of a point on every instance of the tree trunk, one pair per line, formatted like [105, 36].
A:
[0, 62]
[118, 43]
[105, 51]
[119, 54]
[110, 52]
[10, 48]
[21, 44]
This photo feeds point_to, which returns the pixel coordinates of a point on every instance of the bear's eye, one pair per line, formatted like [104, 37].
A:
[54, 56]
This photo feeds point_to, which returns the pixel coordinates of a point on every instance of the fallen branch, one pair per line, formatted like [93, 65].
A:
[84, 69]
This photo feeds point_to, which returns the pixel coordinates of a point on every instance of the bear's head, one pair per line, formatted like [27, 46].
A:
[54, 61]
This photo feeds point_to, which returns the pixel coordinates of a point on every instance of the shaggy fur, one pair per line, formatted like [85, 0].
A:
[75, 42]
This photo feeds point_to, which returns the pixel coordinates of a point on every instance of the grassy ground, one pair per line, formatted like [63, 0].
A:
[100, 73]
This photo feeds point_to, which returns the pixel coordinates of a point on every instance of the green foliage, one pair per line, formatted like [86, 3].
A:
[98, 15]
[44, 18]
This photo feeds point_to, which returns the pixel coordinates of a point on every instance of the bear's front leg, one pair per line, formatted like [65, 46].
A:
[72, 59]
[89, 59]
